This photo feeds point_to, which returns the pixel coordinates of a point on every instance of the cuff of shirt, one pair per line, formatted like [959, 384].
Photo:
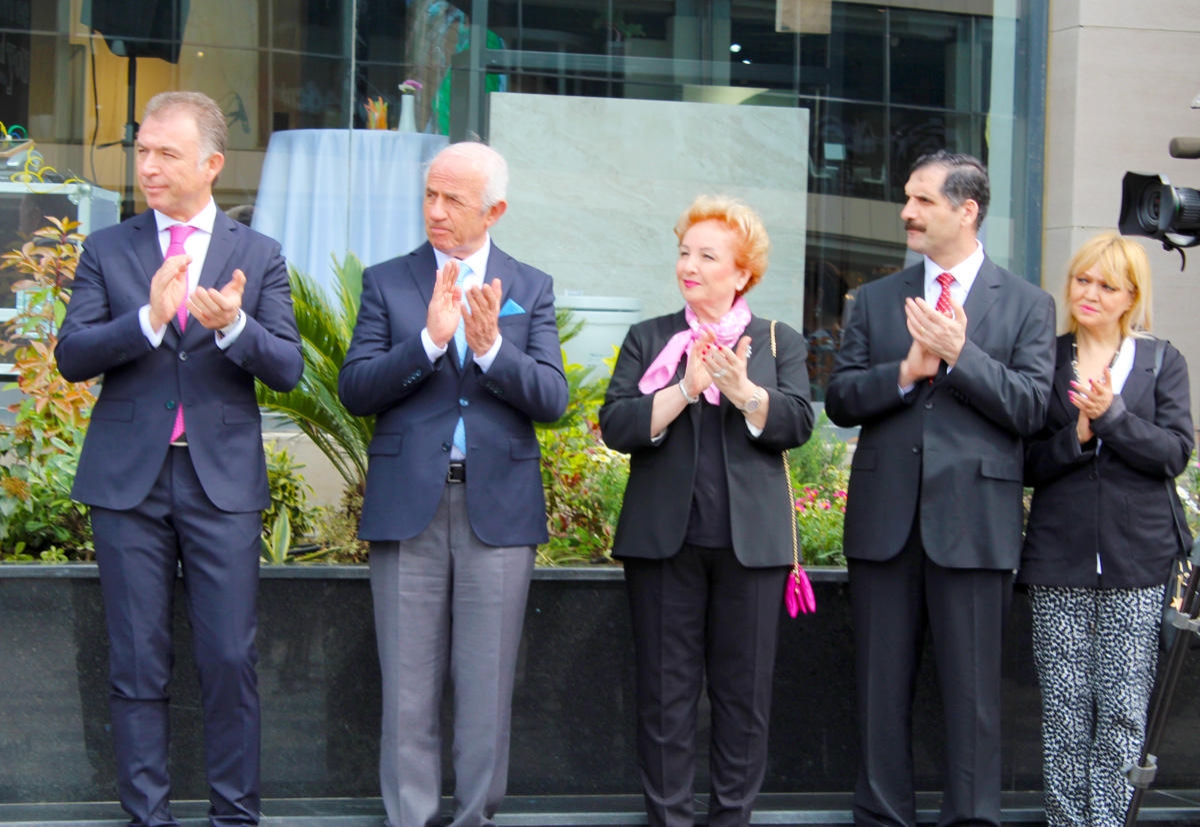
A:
[754, 432]
[431, 350]
[227, 335]
[485, 361]
[154, 338]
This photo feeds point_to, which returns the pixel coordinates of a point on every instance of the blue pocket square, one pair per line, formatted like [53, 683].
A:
[511, 308]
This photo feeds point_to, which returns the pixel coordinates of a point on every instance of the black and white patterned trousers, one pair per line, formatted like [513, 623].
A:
[1095, 651]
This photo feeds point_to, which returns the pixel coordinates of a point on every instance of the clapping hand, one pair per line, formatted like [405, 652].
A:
[445, 307]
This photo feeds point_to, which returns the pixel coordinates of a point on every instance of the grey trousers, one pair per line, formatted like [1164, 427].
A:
[447, 605]
[1095, 651]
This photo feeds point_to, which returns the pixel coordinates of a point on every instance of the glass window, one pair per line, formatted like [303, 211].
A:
[873, 86]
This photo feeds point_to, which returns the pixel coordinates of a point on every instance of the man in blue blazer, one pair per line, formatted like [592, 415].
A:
[947, 367]
[456, 352]
[180, 309]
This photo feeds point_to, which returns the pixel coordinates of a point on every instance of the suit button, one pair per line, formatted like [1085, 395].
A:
[929, 405]
[463, 401]
[183, 355]
[916, 449]
[170, 405]
[445, 446]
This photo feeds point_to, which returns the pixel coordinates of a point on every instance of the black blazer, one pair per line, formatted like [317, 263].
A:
[658, 498]
[1115, 502]
[949, 452]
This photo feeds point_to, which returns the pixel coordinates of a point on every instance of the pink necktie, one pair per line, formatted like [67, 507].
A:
[943, 302]
[179, 234]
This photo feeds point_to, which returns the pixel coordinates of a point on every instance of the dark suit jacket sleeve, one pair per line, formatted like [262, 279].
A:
[859, 389]
[269, 345]
[625, 415]
[790, 415]
[1013, 393]
[1161, 447]
[90, 341]
[378, 373]
[531, 378]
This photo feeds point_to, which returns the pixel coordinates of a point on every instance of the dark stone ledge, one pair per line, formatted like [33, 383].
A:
[573, 704]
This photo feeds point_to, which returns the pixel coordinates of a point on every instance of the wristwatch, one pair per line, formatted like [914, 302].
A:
[754, 401]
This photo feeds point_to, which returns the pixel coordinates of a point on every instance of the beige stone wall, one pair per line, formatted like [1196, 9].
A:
[1121, 78]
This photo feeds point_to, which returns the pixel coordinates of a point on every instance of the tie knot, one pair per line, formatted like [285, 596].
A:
[180, 232]
[945, 279]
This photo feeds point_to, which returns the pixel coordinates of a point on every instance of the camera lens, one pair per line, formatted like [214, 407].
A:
[1151, 206]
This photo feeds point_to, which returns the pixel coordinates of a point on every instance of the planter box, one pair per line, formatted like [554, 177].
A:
[572, 714]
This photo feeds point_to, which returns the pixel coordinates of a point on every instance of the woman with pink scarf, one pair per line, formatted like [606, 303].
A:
[704, 401]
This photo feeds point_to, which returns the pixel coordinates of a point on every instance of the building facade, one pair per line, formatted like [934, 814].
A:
[614, 115]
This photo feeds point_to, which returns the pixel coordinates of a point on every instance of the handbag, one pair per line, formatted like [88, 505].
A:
[798, 596]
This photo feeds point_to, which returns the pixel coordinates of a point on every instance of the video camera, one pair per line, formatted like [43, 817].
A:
[1150, 206]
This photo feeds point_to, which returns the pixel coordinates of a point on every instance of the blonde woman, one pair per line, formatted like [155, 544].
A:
[1103, 527]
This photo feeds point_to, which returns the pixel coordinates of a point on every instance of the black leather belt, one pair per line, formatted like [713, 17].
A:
[457, 472]
[180, 442]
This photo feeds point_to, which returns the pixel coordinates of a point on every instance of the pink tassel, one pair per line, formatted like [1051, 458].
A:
[799, 595]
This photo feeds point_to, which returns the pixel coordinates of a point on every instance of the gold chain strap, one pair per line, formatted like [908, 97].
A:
[787, 475]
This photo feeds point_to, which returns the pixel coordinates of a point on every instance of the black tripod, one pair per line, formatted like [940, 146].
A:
[1186, 622]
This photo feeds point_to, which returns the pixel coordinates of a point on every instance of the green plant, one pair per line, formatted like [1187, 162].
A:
[336, 533]
[819, 480]
[40, 450]
[289, 515]
[326, 325]
[584, 480]
[1187, 485]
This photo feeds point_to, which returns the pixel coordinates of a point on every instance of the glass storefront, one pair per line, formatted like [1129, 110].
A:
[811, 111]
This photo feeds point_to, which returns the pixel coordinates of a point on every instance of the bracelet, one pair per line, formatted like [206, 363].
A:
[691, 400]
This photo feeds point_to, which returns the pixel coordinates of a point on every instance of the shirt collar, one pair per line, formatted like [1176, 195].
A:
[202, 220]
[477, 261]
[964, 272]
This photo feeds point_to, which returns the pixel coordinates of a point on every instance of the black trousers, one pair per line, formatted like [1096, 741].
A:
[892, 602]
[699, 613]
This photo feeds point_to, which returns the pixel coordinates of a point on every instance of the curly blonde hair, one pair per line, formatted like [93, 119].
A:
[752, 244]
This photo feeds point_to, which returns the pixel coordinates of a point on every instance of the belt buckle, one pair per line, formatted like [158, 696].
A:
[456, 472]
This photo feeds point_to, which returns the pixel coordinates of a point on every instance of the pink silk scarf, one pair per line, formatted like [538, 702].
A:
[727, 332]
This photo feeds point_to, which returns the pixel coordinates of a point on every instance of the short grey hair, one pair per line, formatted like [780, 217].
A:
[966, 177]
[487, 162]
[210, 120]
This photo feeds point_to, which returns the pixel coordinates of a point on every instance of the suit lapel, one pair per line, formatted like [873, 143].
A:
[983, 295]
[1141, 376]
[220, 249]
[145, 245]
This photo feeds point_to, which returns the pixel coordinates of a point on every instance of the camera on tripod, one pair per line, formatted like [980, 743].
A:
[1151, 206]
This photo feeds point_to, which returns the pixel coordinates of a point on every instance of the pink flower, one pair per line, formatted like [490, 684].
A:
[825, 504]
[410, 86]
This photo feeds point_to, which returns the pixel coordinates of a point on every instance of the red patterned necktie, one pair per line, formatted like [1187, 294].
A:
[179, 234]
[943, 302]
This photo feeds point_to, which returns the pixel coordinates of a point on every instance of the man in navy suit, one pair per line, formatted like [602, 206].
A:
[181, 309]
[456, 352]
[947, 367]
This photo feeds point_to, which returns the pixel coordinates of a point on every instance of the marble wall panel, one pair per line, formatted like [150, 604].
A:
[596, 186]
